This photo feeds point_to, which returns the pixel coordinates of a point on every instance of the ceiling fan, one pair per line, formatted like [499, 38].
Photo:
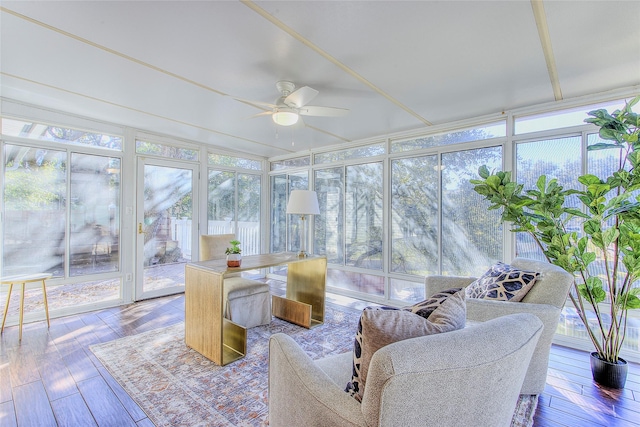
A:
[286, 109]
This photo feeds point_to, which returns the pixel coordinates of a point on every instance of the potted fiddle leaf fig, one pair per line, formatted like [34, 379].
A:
[234, 257]
[604, 256]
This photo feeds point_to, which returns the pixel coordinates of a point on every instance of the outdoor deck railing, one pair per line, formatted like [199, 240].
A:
[248, 233]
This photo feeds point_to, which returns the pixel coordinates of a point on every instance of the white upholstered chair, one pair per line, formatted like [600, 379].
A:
[468, 377]
[246, 302]
[545, 300]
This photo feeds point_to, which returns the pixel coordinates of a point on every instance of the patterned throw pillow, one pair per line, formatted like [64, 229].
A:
[426, 307]
[380, 326]
[502, 283]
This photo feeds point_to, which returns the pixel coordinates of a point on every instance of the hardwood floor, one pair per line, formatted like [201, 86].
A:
[52, 378]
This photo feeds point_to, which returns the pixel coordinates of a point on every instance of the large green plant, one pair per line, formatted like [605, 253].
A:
[610, 235]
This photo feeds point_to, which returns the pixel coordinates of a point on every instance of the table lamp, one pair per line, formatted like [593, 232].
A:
[303, 202]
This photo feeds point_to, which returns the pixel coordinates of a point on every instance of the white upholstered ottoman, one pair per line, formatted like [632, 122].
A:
[247, 302]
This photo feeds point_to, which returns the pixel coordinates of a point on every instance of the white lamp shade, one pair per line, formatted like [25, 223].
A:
[303, 202]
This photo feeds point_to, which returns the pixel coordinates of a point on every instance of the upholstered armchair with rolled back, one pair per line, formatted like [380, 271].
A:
[545, 299]
[468, 377]
[246, 302]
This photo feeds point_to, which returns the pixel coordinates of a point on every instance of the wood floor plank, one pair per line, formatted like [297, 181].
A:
[130, 405]
[56, 378]
[5, 380]
[7, 414]
[544, 411]
[583, 375]
[587, 413]
[72, 411]
[32, 406]
[601, 399]
[80, 366]
[544, 419]
[103, 403]
[563, 384]
[624, 408]
[599, 392]
[146, 422]
[23, 366]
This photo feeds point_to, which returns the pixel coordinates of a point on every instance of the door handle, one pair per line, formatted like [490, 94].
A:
[140, 228]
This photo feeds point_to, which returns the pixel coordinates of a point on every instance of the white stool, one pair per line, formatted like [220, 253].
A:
[247, 302]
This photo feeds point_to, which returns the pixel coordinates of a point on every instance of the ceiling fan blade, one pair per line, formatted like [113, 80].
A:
[301, 97]
[312, 110]
[264, 113]
[258, 104]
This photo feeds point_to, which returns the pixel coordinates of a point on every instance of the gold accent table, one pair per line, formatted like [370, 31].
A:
[23, 279]
[221, 340]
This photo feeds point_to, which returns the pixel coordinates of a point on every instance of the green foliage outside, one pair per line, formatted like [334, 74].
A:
[33, 190]
[604, 257]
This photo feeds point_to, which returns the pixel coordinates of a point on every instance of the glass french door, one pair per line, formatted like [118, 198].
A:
[166, 225]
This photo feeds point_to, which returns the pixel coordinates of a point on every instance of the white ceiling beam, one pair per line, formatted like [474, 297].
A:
[545, 41]
[250, 4]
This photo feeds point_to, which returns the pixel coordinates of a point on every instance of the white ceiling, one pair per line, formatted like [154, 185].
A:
[175, 67]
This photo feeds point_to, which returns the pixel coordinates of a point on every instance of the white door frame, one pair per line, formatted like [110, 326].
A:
[142, 161]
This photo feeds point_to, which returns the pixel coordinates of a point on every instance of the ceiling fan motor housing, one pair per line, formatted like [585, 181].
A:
[285, 87]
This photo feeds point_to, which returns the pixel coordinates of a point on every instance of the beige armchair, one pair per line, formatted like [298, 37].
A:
[246, 302]
[545, 300]
[469, 377]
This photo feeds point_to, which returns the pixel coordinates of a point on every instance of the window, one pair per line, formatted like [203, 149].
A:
[349, 227]
[35, 195]
[94, 214]
[560, 119]
[363, 216]
[291, 163]
[249, 212]
[415, 223]
[35, 203]
[234, 207]
[64, 135]
[350, 154]
[62, 216]
[491, 130]
[471, 233]
[329, 225]
[165, 150]
[285, 228]
[558, 158]
[439, 225]
[236, 162]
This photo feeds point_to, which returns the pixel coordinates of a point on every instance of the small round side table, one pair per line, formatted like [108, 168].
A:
[23, 279]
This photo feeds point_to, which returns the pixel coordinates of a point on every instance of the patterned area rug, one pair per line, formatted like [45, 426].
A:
[176, 386]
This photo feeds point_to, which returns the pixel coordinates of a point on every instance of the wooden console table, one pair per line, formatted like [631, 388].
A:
[221, 340]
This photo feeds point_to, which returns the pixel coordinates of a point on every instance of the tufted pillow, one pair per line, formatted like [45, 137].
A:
[502, 283]
[380, 326]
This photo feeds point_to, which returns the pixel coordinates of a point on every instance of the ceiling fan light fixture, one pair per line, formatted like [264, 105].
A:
[285, 117]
